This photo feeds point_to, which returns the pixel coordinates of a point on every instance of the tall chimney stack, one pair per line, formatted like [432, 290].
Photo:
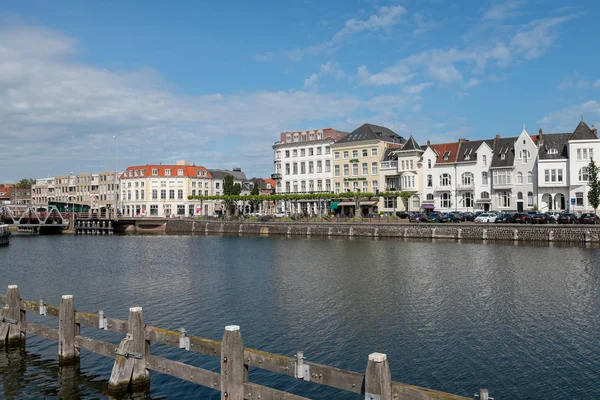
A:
[540, 136]
[594, 130]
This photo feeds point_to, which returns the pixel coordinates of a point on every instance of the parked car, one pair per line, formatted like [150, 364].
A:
[433, 217]
[468, 216]
[403, 215]
[567, 218]
[541, 218]
[486, 217]
[588, 218]
[417, 218]
[454, 217]
[280, 215]
[504, 218]
[520, 218]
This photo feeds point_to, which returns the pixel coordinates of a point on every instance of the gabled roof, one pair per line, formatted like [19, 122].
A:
[504, 152]
[222, 173]
[372, 132]
[390, 154]
[446, 152]
[188, 171]
[582, 132]
[468, 150]
[554, 142]
[411, 145]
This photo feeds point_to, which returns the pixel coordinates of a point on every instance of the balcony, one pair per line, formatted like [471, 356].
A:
[466, 186]
[276, 176]
[389, 165]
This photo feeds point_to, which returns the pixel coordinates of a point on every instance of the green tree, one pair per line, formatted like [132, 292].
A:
[26, 183]
[255, 190]
[230, 188]
[594, 184]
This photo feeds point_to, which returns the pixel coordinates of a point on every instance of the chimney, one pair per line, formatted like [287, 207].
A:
[540, 136]
[497, 136]
[594, 130]
[428, 142]
[461, 140]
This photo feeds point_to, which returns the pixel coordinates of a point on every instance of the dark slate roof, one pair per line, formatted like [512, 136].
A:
[411, 145]
[222, 173]
[372, 132]
[582, 132]
[390, 155]
[506, 147]
[468, 150]
[558, 141]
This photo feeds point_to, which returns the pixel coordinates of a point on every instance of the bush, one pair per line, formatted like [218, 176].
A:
[355, 220]
[199, 217]
[250, 219]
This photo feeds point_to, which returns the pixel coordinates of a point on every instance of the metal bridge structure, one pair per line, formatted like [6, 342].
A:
[37, 218]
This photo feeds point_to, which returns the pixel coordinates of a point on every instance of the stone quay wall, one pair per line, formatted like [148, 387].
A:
[512, 232]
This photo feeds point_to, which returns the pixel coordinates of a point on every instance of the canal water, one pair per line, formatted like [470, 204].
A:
[520, 320]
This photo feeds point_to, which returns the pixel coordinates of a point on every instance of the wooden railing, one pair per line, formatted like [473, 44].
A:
[133, 359]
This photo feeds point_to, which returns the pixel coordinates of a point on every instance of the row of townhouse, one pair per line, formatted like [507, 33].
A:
[98, 191]
[545, 171]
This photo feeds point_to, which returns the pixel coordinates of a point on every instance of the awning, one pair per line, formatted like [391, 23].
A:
[428, 206]
[334, 205]
[483, 201]
[362, 203]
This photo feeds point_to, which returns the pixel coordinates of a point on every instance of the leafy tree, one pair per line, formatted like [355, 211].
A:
[594, 184]
[26, 183]
[255, 190]
[230, 188]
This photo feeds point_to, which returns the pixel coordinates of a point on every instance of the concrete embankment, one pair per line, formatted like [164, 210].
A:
[543, 233]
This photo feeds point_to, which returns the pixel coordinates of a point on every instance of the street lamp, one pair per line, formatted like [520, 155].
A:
[116, 179]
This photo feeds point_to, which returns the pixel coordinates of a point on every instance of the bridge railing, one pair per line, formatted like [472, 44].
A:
[133, 358]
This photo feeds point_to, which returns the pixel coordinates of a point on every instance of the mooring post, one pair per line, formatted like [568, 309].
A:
[10, 324]
[483, 394]
[378, 378]
[233, 371]
[129, 369]
[67, 330]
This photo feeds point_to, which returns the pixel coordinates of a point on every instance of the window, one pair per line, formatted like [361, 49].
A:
[345, 155]
[294, 153]
[445, 180]
[287, 154]
[468, 200]
[365, 153]
[295, 168]
[142, 195]
[408, 182]
[553, 175]
[355, 169]
[416, 203]
[411, 164]
[302, 152]
[336, 170]
[583, 174]
[154, 172]
[337, 187]
[484, 178]
[311, 151]
[524, 156]
[311, 167]
[552, 151]
[328, 150]
[530, 177]
[402, 165]
[374, 152]
[172, 194]
[328, 185]
[390, 202]
[180, 194]
[585, 154]
[579, 197]
[319, 166]
[365, 186]
[484, 160]
[504, 199]
[319, 151]
[168, 172]
[429, 164]
[154, 194]
[355, 186]
[501, 177]
[519, 178]
[354, 153]
[327, 166]
[295, 187]
[346, 186]
[180, 172]
[365, 168]
[374, 168]
[374, 185]
[485, 195]
[519, 196]
[163, 194]
[153, 209]
[346, 170]
[445, 200]
[429, 180]
[303, 186]
[467, 179]
[193, 192]
[429, 196]
[287, 169]
[137, 194]
[336, 155]
[319, 185]
[311, 136]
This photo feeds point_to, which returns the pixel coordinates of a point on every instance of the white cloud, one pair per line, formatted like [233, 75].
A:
[383, 19]
[445, 74]
[311, 81]
[502, 10]
[331, 68]
[596, 84]
[417, 89]
[472, 83]
[537, 37]
[396, 75]
[563, 120]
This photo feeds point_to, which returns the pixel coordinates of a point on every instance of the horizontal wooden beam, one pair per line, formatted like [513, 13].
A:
[93, 320]
[197, 344]
[40, 330]
[404, 391]
[335, 377]
[269, 361]
[186, 372]
[96, 346]
[253, 391]
[34, 306]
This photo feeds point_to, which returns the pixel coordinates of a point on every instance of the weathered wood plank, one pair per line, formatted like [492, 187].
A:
[93, 320]
[269, 361]
[67, 351]
[378, 378]
[41, 330]
[335, 377]
[197, 344]
[34, 307]
[253, 391]
[233, 371]
[404, 391]
[186, 372]
[3, 299]
[15, 332]
[96, 346]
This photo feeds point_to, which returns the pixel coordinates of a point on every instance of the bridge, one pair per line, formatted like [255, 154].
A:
[37, 218]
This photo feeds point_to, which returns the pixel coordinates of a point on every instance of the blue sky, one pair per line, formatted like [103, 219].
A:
[217, 82]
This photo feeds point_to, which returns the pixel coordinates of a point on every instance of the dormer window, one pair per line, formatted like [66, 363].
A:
[552, 151]
[446, 155]
[502, 156]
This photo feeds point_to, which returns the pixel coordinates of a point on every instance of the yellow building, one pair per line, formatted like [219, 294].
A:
[357, 158]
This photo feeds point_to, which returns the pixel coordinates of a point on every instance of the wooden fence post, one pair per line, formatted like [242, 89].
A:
[483, 394]
[129, 369]
[378, 378]
[233, 371]
[67, 330]
[11, 330]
